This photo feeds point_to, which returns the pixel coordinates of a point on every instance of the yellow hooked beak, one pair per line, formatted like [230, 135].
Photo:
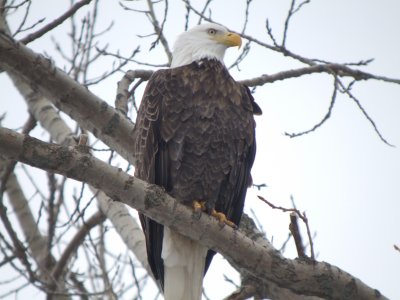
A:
[230, 39]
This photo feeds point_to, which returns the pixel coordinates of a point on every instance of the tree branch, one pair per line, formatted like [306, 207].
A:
[256, 285]
[295, 230]
[123, 94]
[159, 30]
[125, 225]
[319, 278]
[33, 36]
[73, 245]
[43, 111]
[330, 68]
[92, 113]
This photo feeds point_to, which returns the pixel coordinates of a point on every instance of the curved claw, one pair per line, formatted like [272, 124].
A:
[198, 208]
[222, 219]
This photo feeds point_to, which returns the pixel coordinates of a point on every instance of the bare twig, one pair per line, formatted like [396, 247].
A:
[310, 238]
[292, 10]
[335, 69]
[243, 293]
[15, 7]
[366, 115]
[93, 221]
[260, 186]
[270, 34]
[286, 27]
[19, 249]
[159, 30]
[325, 118]
[33, 36]
[242, 56]
[302, 216]
[51, 220]
[294, 229]
[129, 58]
[284, 244]
[203, 11]
[24, 18]
[300, 6]
[246, 15]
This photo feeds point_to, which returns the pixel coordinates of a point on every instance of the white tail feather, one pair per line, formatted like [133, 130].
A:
[184, 261]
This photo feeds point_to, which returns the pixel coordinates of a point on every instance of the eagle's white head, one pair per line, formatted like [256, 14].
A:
[203, 41]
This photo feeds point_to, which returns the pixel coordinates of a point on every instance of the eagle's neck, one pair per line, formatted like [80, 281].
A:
[189, 50]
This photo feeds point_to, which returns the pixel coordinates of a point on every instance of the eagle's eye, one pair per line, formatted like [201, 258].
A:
[212, 31]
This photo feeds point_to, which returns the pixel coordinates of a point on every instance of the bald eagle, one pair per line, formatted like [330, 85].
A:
[194, 136]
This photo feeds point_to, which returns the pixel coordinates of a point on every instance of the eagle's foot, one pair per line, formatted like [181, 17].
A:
[199, 205]
[222, 219]
[198, 208]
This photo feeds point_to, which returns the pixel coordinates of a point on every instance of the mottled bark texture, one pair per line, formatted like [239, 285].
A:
[92, 113]
[300, 276]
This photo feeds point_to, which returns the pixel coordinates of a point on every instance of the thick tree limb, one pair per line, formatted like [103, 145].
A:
[26, 220]
[126, 226]
[44, 111]
[255, 286]
[302, 277]
[92, 113]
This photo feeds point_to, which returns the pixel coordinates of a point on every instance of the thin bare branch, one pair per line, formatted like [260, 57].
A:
[201, 14]
[286, 26]
[292, 10]
[24, 18]
[336, 69]
[324, 119]
[242, 56]
[270, 34]
[33, 36]
[19, 248]
[366, 115]
[159, 30]
[302, 216]
[75, 242]
[246, 15]
[203, 11]
[12, 6]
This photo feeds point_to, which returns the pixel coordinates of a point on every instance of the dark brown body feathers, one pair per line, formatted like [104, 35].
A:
[195, 137]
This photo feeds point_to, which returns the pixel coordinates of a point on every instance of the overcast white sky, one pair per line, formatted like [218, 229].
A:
[342, 175]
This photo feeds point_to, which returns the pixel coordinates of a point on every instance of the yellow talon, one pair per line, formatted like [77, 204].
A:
[222, 218]
[199, 206]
